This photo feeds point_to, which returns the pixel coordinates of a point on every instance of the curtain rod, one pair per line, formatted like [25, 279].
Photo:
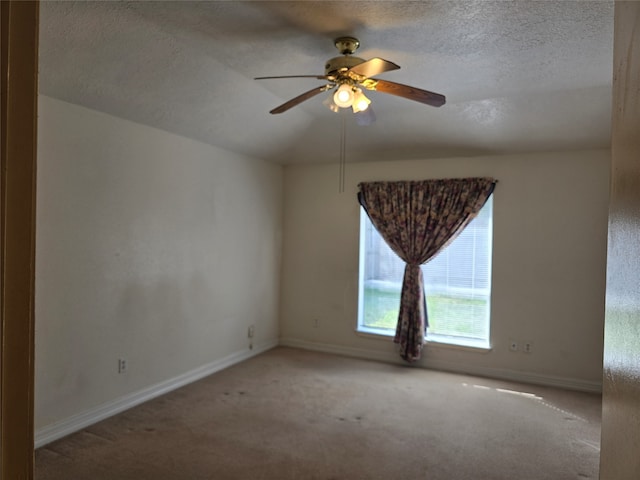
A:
[460, 178]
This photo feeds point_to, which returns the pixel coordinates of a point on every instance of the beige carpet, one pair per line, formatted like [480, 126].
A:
[293, 414]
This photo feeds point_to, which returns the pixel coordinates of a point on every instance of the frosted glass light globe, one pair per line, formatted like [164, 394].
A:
[344, 96]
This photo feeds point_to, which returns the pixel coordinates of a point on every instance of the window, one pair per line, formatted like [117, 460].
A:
[457, 284]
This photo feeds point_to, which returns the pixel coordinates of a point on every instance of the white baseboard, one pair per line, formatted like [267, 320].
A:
[468, 369]
[82, 420]
[77, 422]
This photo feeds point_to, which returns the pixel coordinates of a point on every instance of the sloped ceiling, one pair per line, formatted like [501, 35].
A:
[519, 76]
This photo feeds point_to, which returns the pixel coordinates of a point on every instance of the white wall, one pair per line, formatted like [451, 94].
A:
[151, 247]
[550, 233]
[163, 250]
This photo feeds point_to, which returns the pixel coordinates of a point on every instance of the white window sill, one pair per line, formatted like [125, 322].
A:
[432, 341]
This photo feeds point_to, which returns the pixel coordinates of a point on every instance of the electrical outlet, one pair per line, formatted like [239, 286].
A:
[527, 347]
[513, 345]
[251, 331]
[316, 323]
[122, 365]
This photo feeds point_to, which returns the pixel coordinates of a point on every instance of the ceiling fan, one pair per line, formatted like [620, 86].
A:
[350, 75]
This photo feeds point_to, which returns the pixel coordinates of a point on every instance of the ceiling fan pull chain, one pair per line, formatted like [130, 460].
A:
[343, 143]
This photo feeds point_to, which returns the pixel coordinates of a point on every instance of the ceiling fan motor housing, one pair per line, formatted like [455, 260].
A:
[334, 65]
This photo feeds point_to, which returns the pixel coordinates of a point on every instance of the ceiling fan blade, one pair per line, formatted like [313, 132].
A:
[319, 77]
[373, 67]
[301, 98]
[410, 93]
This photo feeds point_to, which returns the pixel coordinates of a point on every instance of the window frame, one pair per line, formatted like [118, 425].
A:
[430, 338]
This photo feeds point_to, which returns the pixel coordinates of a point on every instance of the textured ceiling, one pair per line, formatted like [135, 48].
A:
[519, 76]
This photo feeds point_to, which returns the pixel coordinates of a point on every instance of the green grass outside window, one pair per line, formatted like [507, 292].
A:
[448, 315]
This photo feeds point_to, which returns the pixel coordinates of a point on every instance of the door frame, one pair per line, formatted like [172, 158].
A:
[18, 120]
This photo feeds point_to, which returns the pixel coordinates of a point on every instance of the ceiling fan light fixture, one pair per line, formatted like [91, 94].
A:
[330, 104]
[344, 96]
[360, 101]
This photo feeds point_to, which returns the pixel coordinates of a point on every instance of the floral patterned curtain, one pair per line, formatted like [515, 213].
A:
[417, 219]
